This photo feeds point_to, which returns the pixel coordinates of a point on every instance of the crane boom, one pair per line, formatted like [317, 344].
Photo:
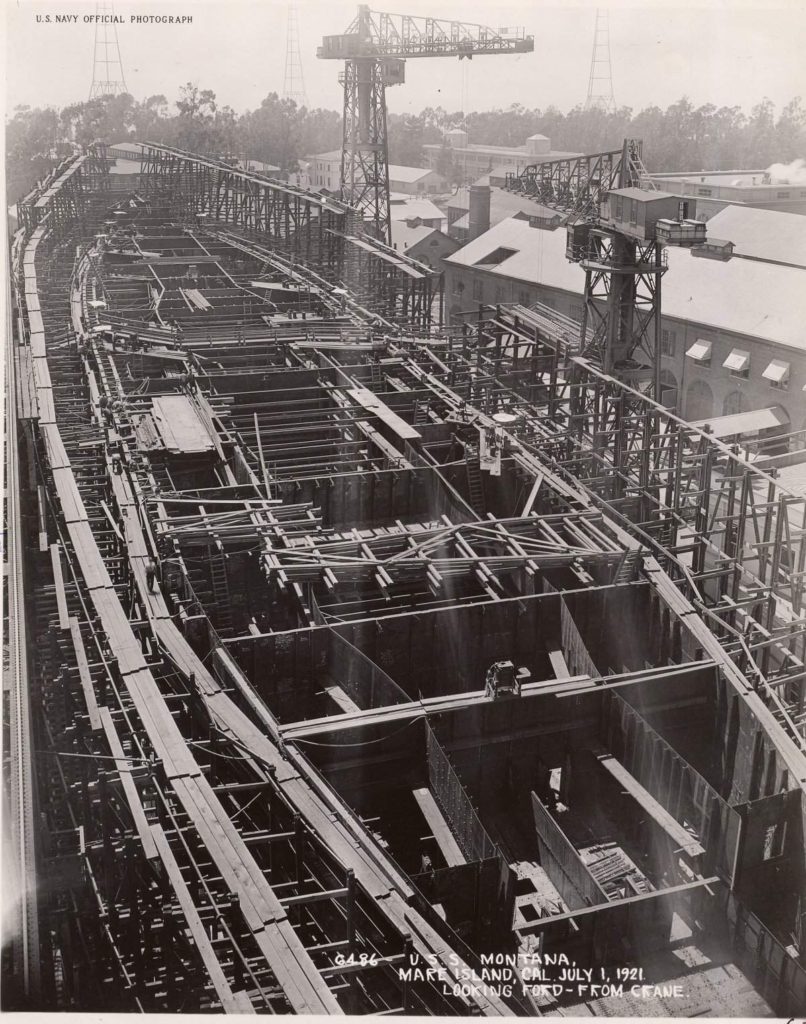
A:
[378, 34]
[374, 49]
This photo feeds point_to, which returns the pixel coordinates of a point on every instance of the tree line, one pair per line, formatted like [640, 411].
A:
[682, 137]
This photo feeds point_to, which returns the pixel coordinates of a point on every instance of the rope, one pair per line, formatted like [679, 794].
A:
[366, 743]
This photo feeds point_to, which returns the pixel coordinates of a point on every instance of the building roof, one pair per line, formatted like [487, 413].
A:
[404, 237]
[534, 138]
[503, 204]
[761, 300]
[413, 207]
[127, 144]
[737, 178]
[644, 195]
[398, 172]
[516, 152]
[762, 234]
[332, 154]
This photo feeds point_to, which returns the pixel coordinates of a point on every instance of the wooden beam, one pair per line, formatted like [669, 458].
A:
[84, 675]
[58, 582]
[679, 835]
[342, 699]
[439, 827]
[535, 926]
[229, 1002]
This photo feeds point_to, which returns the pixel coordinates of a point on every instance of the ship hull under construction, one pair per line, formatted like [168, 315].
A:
[361, 665]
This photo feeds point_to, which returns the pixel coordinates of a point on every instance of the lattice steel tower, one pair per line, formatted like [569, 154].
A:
[600, 82]
[107, 67]
[293, 80]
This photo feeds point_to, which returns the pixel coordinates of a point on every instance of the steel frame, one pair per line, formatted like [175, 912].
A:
[201, 859]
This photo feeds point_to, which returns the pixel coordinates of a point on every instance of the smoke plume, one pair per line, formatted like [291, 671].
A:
[788, 174]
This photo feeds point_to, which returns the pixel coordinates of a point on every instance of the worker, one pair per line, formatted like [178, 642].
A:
[117, 465]
[151, 575]
[425, 863]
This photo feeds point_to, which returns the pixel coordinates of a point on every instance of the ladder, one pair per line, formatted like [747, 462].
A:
[221, 594]
[628, 568]
[475, 486]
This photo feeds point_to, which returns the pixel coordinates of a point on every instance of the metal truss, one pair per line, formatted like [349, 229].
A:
[574, 185]
[364, 158]
[403, 35]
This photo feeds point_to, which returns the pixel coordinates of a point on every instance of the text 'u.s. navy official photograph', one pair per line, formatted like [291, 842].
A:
[404, 540]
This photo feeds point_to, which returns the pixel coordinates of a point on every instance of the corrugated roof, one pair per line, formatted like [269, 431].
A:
[762, 234]
[761, 300]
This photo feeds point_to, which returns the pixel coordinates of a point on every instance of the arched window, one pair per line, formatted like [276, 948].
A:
[699, 401]
[735, 402]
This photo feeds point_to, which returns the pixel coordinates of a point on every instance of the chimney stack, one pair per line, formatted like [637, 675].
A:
[479, 214]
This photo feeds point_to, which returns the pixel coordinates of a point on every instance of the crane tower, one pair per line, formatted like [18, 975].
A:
[374, 49]
[618, 226]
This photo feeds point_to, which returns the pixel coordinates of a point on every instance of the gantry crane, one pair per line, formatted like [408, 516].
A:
[618, 225]
[374, 49]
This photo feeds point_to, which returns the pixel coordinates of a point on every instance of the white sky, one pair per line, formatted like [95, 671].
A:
[720, 51]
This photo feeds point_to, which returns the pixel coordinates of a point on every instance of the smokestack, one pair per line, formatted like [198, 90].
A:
[479, 215]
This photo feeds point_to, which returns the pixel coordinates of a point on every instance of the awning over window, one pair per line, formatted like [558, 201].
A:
[738, 360]
[739, 423]
[700, 351]
[777, 371]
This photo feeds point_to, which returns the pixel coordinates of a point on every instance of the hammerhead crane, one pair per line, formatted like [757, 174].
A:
[374, 49]
[618, 227]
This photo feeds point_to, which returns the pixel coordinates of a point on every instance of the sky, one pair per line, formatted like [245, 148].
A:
[727, 52]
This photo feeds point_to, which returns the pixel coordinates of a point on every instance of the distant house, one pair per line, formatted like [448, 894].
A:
[423, 243]
[270, 170]
[324, 172]
[470, 160]
[410, 209]
[415, 180]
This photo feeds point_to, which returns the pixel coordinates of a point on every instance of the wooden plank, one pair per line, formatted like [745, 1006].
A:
[559, 665]
[179, 425]
[345, 702]
[129, 786]
[84, 675]
[439, 827]
[679, 835]
[535, 926]
[58, 582]
[230, 1003]
[370, 401]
